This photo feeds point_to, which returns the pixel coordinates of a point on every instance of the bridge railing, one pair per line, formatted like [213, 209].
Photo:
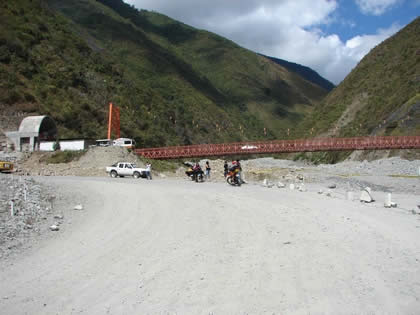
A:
[283, 146]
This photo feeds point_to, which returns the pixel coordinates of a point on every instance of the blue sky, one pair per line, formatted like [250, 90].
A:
[330, 36]
[351, 21]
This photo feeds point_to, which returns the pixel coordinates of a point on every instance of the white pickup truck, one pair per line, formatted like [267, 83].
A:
[122, 169]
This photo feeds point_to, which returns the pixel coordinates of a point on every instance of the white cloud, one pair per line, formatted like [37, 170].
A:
[286, 29]
[376, 7]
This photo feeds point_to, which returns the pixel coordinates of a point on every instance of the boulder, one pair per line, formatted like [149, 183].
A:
[54, 227]
[78, 207]
[280, 185]
[365, 196]
[302, 188]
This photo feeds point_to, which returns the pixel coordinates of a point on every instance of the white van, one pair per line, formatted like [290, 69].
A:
[125, 142]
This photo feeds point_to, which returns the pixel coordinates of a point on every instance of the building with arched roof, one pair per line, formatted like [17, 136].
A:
[32, 131]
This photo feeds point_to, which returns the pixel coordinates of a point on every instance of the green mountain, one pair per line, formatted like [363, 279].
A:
[381, 96]
[173, 83]
[305, 72]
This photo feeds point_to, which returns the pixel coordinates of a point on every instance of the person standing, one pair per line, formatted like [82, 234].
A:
[208, 169]
[149, 171]
[226, 166]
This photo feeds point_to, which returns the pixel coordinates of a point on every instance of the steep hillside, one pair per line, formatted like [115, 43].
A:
[174, 84]
[381, 96]
[305, 72]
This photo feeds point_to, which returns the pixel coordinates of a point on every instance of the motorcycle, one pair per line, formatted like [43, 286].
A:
[195, 175]
[233, 178]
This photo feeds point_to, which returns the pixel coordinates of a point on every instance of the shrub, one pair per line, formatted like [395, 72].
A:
[64, 156]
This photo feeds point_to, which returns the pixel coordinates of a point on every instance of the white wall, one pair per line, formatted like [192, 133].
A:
[69, 145]
[73, 145]
[46, 146]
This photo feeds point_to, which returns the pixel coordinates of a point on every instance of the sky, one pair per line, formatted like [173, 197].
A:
[329, 36]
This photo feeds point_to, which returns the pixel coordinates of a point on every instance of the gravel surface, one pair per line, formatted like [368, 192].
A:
[175, 246]
[32, 211]
[171, 245]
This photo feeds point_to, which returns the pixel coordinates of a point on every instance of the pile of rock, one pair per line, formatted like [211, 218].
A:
[92, 163]
[25, 209]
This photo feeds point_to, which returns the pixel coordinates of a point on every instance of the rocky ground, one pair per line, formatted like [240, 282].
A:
[92, 163]
[26, 211]
[287, 240]
[174, 246]
[33, 203]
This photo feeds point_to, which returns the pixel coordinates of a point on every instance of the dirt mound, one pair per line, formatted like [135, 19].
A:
[92, 163]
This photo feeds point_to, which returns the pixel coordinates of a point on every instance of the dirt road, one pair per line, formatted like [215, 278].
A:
[174, 246]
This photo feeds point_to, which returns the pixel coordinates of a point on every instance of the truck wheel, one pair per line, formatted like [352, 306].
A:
[114, 174]
[136, 175]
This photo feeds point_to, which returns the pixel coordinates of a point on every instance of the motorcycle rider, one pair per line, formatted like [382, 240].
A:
[236, 165]
[196, 171]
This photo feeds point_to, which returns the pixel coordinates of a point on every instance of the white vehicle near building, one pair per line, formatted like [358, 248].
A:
[124, 142]
[103, 142]
[122, 169]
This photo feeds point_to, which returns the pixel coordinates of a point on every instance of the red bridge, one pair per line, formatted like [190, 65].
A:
[283, 146]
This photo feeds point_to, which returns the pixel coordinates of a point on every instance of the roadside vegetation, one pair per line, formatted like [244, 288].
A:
[64, 156]
[174, 84]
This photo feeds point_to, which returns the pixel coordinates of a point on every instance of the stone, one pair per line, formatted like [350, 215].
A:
[265, 182]
[320, 191]
[54, 227]
[280, 185]
[365, 197]
[332, 186]
[59, 217]
[302, 188]
[292, 186]
[78, 207]
[388, 202]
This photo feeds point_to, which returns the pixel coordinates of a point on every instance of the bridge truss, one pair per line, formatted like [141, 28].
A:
[283, 146]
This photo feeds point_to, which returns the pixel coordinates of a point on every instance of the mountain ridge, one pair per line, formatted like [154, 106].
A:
[174, 84]
[305, 72]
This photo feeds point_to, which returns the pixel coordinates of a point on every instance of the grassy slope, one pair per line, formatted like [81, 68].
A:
[384, 89]
[381, 96]
[180, 62]
[252, 83]
[174, 84]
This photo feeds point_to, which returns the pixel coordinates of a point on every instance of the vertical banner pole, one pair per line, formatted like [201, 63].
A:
[109, 120]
